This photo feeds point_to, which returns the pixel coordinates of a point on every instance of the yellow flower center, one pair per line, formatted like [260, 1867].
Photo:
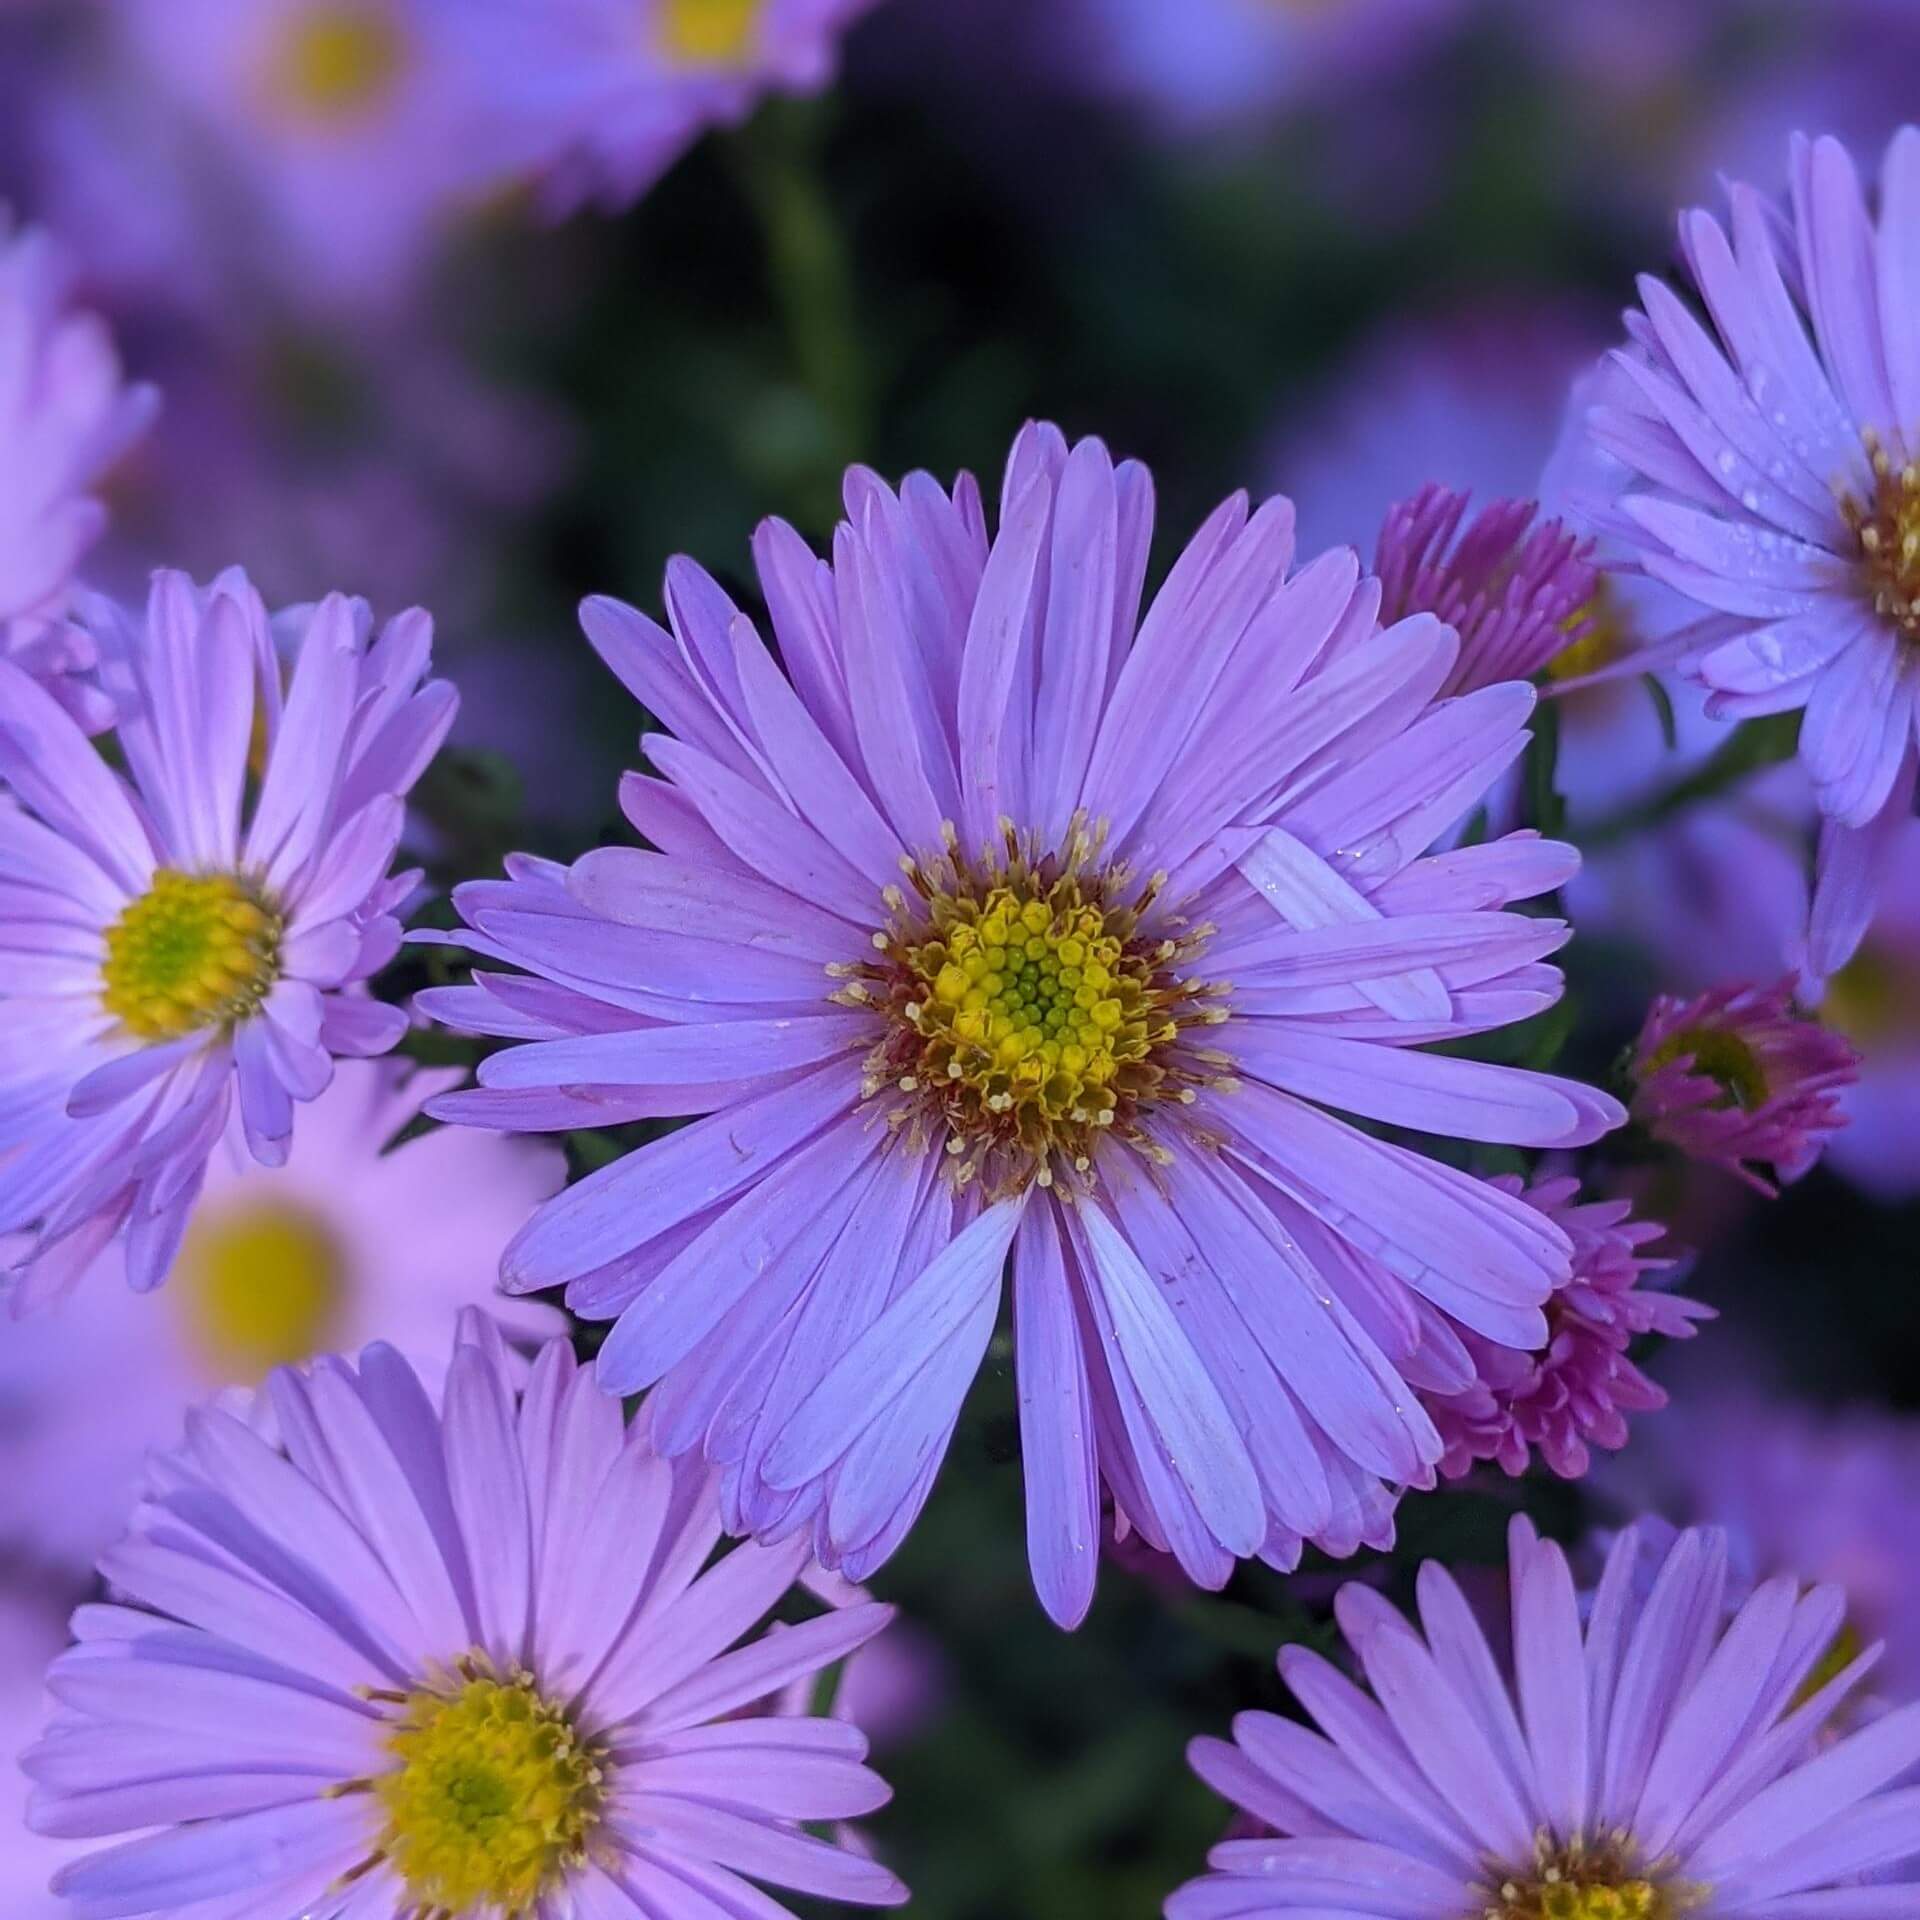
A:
[195, 950]
[708, 33]
[260, 1285]
[1889, 535]
[1028, 1012]
[1603, 638]
[1875, 997]
[494, 1796]
[336, 62]
[1847, 1647]
[1721, 1056]
[1579, 1880]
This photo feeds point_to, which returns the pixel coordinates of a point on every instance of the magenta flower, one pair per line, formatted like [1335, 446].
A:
[65, 417]
[464, 1663]
[1520, 595]
[1007, 923]
[1736, 1077]
[183, 940]
[1575, 1393]
[353, 1239]
[1640, 1760]
[1775, 478]
[595, 99]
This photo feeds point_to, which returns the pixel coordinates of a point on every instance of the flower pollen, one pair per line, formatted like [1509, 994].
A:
[338, 61]
[1579, 1880]
[1027, 1010]
[494, 1796]
[1889, 536]
[195, 950]
[708, 33]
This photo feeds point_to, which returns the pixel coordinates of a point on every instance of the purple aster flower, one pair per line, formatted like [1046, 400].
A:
[350, 1241]
[1640, 1762]
[1575, 1393]
[322, 142]
[1736, 1077]
[1520, 595]
[1775, 478]
[32, 1631]
[185, 939]
[1830, 1496]
[65, 417]
[1006, 923]
[598, 98]
[466, 1663]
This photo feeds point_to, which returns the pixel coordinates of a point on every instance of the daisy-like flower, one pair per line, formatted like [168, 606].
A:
[1575, 1393]
[65, 416]
[597, 98]
[353, 1240]
[1647, 1759]
[1774, 457]
[469, 1663]
[1007, 923]
[32, 1632]
[184, 940]
[1736, 1077]
[1519, 592]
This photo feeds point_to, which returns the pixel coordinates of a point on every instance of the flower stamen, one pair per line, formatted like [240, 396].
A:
[1889, 536]
[195, 950]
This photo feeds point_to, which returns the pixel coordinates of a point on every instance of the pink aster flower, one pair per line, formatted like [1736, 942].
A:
[351, 1240]
[1645, 1758]
[472, 1663]
[597, 98]
[1519, 594]
[65, 417]
[1575, 1393]
[1736, 1077]
[1005, 923]
[1774, 462]
[184, 940]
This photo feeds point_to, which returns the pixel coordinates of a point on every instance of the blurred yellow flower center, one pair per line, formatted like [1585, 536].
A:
[493, 1797]
[335, 62]
[1603, 638]
[1875, 997]
[260, 1285]
[1719, 1056]
[1027, 1011]
[1889, 534]
[1588, 1881]
[708, 33]
[1846, 1648]
[195, 950]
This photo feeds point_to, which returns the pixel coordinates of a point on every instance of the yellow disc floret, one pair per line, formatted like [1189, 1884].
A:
[1720, 1056]
[195, 950]
[259, 1285]
[1029, 1010]
[1889, 535]
[708, 33]
[493, 1796]
[336, 62]
[1581, 1880]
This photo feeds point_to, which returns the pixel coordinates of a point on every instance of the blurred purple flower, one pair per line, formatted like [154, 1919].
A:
[1575, 1393]
[1833, 1497]
[1517, 591]
[1736, 1077]
[1015, 1046]
[66, 416]
[1646, 1759]
[595, 99]
[346, 1243]
[320, 143]
[1775, 479]
[464, 1662]
[186, 940]
[1206, 62]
